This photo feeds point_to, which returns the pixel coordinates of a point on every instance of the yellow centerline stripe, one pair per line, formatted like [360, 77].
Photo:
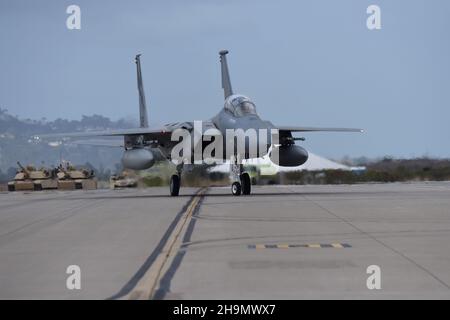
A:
[147, 286]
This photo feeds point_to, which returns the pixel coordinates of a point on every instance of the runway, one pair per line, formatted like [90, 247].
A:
[282, 242]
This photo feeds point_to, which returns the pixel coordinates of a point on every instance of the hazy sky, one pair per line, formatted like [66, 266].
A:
[311, 63]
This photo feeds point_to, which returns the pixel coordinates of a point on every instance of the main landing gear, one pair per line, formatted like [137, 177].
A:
[175, 185]
[175, 182]
[241, 180]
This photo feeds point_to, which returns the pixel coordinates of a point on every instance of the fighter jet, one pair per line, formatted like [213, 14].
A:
[144, 146]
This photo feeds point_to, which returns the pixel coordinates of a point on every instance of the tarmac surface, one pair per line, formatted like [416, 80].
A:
[282, 242]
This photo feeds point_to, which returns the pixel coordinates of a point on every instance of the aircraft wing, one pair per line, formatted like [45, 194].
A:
[316, 129]
[100, 143]
[119, 132]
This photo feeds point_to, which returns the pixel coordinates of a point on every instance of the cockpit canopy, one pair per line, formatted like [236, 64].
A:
[240, 106]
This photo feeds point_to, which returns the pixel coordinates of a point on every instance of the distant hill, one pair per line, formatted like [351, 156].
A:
[16, 143]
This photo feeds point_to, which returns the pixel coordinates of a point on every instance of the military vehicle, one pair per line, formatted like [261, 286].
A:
[123, 180]
[30, 178]
[70, 178]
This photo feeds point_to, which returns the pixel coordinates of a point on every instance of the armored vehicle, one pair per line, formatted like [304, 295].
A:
[123, 180]
[70, 178]
[29, 178]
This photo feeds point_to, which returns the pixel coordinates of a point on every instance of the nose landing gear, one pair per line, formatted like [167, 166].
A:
[236, 189]
[241, 180]
[244, 186]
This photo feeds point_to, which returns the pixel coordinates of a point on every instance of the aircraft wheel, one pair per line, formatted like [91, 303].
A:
[37, 187]
[236, 189]
[246, 184]
[11, 188]
[174, 185]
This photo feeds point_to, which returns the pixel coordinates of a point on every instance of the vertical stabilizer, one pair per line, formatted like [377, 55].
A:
[226, 83]
[143, 118]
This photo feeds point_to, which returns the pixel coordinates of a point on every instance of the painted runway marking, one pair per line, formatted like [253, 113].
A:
[308, 245]
[149, 282]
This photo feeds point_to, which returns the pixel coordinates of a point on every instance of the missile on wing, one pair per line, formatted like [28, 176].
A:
[138, 159]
